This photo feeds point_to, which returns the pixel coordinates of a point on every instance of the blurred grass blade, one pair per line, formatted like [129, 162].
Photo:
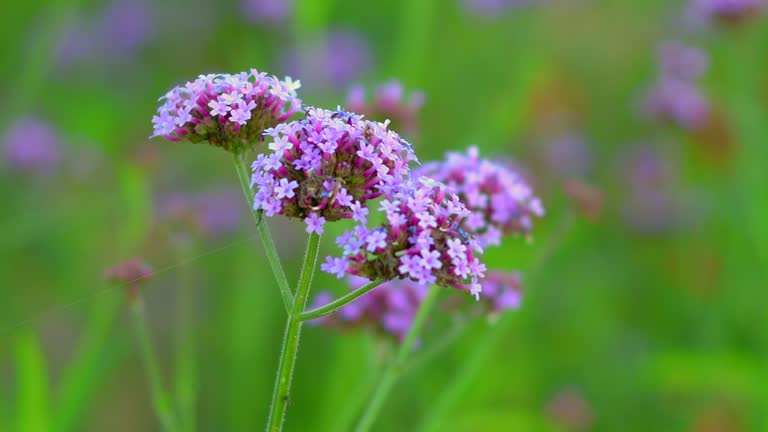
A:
[82, 377]
[32, 386]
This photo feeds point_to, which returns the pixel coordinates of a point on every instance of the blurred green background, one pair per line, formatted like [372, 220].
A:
[646, 313]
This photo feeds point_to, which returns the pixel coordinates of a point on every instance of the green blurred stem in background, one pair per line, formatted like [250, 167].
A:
[339, 302]
[291, 339]
[185, 382]
[394, 370]
[160, 401]
[266, 236]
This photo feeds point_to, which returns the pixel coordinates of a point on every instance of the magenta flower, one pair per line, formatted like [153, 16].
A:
[498, 200]
[228, 111]
[327, 166]
[420, 240]
[389, 309]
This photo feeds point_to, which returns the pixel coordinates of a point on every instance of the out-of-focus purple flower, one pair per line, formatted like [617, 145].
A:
[227, 111]
[337, 59]
[421, 240]
[569, 409]
[678, 102]
[499, 200]
[502, 291]
[390, 308]
[327, 166]
[675, 97]
[724, 11]
[389, 102]
[118, 31]
[126, 26]
[565, 156]
[650, 205]
[490, 8]
[267, 11]
[130, 274]
[215, 212]
[31, 146]
[680, 61]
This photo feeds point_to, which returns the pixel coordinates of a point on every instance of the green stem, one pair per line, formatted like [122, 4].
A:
[439, 409]
[396, 367]
[266, 237]
[160, 401]
[186, 366]
[291, 338]
[339, 302]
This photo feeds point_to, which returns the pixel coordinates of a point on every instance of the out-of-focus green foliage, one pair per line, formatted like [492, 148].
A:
[620, 329]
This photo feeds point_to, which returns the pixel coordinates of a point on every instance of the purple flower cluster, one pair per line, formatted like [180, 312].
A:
[228, 111]
[727, 11]
[420, 240]
[337, 59]
[390, 308]
[327, 166]
[491, 8]
[390, 102]
[267, 11]
[499, 201]
[213, 213]
[502, 291]
[676, 96]
[31, 146]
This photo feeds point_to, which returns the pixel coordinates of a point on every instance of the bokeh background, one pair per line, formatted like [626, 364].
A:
[645, 284]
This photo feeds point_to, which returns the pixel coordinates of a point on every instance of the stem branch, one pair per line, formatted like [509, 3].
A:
[266, 236]
[338, 303]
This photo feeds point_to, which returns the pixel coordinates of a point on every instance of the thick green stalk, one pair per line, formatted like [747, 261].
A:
[394, 370]
[291, 339]
[160, 401]
[266, 236]
[339, 302]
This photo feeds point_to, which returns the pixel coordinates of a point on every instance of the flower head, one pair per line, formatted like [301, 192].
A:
[31, 146]
[228, 111]
[498, 200]
[389, 102]
[676, 97]
[390, 308]
[327, 166]
[725, 11]
[130, 274]
[502, 291]
[420, 240]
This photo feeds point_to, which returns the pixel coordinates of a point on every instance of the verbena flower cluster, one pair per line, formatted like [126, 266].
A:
[389, 101]
[228, 111]
[31, 146]
[421, 240]
[728, 11]
[502, 291]
[499, 201]
[327, 166]
[390, 308]
[676, 97]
